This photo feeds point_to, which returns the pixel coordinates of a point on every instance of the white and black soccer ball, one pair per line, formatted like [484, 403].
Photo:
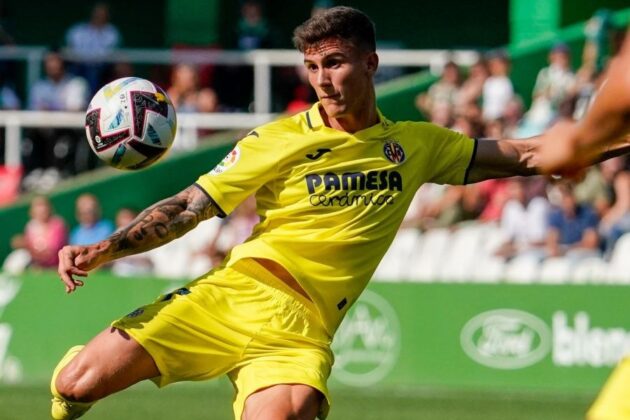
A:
[130, 123]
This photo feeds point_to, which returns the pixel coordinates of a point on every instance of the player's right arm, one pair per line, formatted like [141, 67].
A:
[161, 223]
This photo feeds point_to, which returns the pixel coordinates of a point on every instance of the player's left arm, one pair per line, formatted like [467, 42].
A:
[510, 157]
[160, 223]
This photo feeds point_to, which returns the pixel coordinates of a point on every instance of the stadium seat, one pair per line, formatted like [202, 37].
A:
[463, 253]
[395, 264]
[425, 261]
[619, 266]
[177, 260]
[589, 270]
[489, 268]
[555, 270]
[171, 261]
[522, 269]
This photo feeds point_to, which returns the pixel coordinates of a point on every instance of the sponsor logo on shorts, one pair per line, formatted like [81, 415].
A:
[367, 344]
[227, 162]
[135, 313]
[182, 291]
[394, 152]
[506, 339]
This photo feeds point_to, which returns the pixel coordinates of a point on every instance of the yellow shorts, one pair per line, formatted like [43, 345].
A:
[613, 402]
[239, 320]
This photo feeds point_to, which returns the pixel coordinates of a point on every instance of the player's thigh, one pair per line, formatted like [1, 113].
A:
[110, 362]
[283, 401]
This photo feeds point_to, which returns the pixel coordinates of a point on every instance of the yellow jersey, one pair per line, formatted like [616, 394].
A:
[330, 202]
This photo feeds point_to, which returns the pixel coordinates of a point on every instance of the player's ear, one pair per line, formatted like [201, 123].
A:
[371, 63]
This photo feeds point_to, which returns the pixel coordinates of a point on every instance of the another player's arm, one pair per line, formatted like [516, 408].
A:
[609, 116]
[161, 223]
[606, 120]
[508, 157]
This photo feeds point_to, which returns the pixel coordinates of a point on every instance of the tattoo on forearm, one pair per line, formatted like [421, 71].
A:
[162, 222]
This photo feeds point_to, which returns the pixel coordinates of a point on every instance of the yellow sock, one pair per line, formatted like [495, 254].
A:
[63, 409]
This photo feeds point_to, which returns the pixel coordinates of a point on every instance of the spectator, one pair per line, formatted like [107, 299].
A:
[44, 235]
[497, 89]
[92, 40]
[554, 84]
[133, 265]
[184, 88]
[91, 227]
[523, 222]
[572, 226]
[207, 102]
[472, 88]
[238, 226]
[443, 92]
[8, 97]
[512, 117]
[253, 30]
[616, 220]
[59, 90]
[494, 193]
[55, 148]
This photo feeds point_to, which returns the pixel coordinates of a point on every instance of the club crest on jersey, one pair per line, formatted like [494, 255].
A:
[394, 152]
[227, 162]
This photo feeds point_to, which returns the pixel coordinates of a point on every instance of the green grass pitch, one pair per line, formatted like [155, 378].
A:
[212, 401]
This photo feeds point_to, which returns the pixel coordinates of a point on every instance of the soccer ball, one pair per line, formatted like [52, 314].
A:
[130, 123]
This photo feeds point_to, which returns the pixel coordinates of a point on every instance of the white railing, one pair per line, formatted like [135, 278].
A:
[261, 60]
[187, 126]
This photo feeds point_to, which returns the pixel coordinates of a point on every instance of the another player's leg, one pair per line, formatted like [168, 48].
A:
[285, 401]
[112, 361]
[613, 402]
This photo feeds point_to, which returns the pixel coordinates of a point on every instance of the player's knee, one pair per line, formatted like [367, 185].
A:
[75, 383]
[286, 403]
[304, 404]
[306, 407]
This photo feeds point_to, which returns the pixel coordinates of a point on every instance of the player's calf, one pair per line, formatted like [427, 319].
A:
[63, 406]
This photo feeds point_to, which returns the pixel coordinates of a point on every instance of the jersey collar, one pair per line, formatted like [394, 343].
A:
[314, 119]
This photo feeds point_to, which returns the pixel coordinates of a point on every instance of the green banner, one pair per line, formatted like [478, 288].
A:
[516, 337]
[520, 337]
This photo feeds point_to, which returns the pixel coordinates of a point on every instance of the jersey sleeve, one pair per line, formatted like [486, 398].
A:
[252, 163]
[451, 155]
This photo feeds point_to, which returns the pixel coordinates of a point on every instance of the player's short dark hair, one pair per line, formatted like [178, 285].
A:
[341, 22]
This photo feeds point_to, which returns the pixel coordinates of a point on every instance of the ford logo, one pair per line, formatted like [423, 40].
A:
[506, 339]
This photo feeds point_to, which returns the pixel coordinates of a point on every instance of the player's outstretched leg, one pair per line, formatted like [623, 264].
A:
[112, 361]
[61, 408]
[283, 401]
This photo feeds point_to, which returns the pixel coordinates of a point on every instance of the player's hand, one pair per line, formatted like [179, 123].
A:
[75, 261]
[559, 154]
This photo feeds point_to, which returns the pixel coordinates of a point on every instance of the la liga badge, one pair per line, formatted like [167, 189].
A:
[227, 162]
[394, 152]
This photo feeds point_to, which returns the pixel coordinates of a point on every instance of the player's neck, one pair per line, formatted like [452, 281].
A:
[351, 123]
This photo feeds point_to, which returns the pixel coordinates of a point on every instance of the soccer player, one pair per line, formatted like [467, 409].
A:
[332, 186]
[605, 125]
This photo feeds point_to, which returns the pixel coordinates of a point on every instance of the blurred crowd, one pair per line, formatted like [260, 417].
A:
[72, 74]
[202, 249]
[539, 218]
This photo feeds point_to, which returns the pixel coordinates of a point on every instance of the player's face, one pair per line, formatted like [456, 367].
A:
[341, 75]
